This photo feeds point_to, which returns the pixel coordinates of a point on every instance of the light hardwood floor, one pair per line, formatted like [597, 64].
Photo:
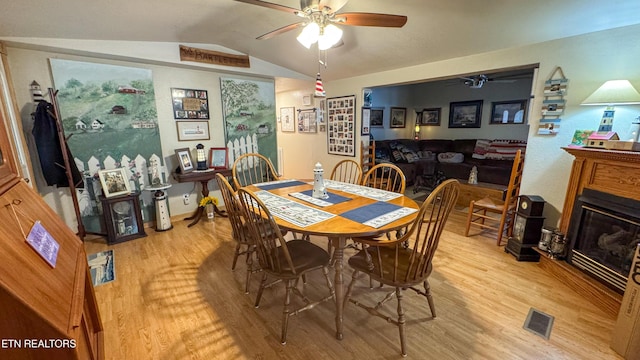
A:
[175, 297]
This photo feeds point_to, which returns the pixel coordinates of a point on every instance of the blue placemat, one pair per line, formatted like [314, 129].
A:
[371, 211]
[333, 198]
[279, 184]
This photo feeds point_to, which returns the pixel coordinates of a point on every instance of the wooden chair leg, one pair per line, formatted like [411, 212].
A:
[263, 283]
[332, 291]
[347, 294]
[469, 217]
[501, 227]
[235, 256]
[249, 263]
[401, 321]
[512, 219]
[427, 290]
[285, 312]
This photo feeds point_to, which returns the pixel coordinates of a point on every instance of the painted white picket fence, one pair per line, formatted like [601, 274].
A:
[244, 145]
[138, 171]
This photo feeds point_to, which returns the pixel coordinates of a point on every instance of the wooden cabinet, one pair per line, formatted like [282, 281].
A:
[45, 312]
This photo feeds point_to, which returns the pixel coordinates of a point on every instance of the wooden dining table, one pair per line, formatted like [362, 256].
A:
[338, 228]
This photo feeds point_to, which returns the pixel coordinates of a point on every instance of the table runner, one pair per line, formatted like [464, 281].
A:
[378, 214]
[270, 185]
[371, 193]
[307, 196]
[292, 211]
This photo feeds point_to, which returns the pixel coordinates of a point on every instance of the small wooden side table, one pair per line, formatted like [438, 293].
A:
[202, 176]
[122, 217]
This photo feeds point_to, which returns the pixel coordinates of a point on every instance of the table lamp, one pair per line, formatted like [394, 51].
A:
[612, 92]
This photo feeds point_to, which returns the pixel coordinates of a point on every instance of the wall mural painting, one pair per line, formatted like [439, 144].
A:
[109, 115]
[249, 117]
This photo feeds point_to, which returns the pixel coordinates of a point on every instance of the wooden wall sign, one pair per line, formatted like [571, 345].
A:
[213, 57]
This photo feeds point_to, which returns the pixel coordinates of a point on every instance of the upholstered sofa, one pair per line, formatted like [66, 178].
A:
[451, 158]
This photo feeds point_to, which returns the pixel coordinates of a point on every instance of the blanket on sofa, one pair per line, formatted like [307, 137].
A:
[498, 149]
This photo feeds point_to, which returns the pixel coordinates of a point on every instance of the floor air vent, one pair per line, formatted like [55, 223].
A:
[539, 323]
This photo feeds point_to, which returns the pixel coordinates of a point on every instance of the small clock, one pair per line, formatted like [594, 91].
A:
[531, 205]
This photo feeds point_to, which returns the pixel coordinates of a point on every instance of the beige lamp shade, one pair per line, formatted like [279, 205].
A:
[614, 92]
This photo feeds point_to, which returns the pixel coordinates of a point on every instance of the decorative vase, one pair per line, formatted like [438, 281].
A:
[473, 176]
[209, 209]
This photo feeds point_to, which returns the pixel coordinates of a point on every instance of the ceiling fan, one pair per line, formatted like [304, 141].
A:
[478, 81]
[320, 18]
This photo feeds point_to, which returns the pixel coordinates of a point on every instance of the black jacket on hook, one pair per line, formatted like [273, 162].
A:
[45, 133]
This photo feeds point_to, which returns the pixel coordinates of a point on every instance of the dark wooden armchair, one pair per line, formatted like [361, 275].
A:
[405, 262]
[240, 231]
[282, 260]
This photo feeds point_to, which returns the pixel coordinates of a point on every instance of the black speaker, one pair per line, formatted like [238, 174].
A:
[530, 205]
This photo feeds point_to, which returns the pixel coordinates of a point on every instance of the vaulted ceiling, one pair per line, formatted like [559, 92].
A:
[435, 30]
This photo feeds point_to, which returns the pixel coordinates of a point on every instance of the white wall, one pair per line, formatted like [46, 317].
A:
[587, 60]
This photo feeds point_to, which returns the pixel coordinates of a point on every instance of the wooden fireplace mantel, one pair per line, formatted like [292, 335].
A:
[611, 171]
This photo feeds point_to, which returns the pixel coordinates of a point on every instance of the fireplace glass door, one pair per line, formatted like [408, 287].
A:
[603, 240]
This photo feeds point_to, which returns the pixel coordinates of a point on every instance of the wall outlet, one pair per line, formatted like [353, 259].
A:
[185, 198]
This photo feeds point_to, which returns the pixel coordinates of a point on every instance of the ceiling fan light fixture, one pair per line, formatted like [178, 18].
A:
[309, 35]
[329, 37]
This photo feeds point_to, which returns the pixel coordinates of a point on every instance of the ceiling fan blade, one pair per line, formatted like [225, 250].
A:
[334, 5]
[279, 31]
[371, 19]
[271, 6]
[503, 80]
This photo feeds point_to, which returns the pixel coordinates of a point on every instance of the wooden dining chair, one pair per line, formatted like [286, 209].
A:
[367, 155]
[498, 215]
[252, 168]
[405, 262]
[348, 171]
[385, 176]
[240, 231]
[282, 260]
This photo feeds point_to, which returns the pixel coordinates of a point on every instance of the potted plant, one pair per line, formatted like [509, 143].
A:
[208, 203]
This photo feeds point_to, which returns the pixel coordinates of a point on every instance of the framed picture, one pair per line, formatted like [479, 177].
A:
[322, 110]
[288, 119]
[184, 159]
[465, 114]
[308, 120]
[341, 125]
[218, 158]
[377, 117]
[430, 117]
[366, 120]
[114, 182]
[508, 112]
[307, 100]
[190, 104]
[192, 130]
[398, 118]
[367, 95]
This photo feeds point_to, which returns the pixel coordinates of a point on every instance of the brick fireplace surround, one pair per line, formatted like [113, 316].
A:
[609, 171]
